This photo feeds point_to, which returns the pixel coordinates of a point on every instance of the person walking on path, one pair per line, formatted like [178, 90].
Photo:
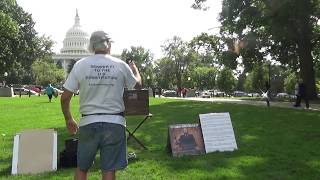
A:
[154, 92]
[266, 95]
[49, 91]
[184, 92]
[101, 80]
[160, 91]
[39, 91]
[301, 93]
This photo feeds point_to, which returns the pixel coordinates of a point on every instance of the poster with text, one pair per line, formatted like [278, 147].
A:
[217, 131]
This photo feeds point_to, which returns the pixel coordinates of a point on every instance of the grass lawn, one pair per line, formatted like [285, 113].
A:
[274, 143]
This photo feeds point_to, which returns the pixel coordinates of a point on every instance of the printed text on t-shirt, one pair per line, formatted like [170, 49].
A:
[101, 72]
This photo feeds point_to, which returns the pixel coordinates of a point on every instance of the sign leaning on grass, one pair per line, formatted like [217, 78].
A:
[185, 139]
[217, 131]
[34, 151]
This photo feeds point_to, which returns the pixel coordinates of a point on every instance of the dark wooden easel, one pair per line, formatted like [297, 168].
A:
[137, 104]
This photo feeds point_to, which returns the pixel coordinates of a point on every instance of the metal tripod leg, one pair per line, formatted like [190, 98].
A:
[132, 134]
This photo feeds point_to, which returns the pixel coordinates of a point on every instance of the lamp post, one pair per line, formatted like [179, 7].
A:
[5, 78]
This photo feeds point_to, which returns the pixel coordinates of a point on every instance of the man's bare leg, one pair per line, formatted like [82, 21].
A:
[80, 175]
[109, 175]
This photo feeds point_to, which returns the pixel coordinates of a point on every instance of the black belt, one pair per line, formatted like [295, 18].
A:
[120, 114]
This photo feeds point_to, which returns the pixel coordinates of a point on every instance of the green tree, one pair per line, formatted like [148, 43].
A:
[286, 30]
[256, 79]
[290, 82]
[211, 51]
[278, 75]
[259, 78]
[143, 59]
[164, 73]
[226, 80]
[9, 30]
[240, 83]
[248, 83]
[207, 48]
[204, 77]
[181, 56]
[20, 45]
[317, 68]
[45, 72]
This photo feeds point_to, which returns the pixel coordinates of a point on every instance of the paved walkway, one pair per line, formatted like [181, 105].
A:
[313, 107]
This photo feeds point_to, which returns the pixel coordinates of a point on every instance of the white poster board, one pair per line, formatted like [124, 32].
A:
[34, 151]
[217, 131]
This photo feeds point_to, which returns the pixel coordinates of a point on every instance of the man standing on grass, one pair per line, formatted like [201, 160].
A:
[101, 80]
[301, 93]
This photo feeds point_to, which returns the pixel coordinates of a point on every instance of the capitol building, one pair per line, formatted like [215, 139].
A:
[75, 46]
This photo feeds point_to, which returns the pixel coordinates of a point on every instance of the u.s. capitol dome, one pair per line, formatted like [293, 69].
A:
[75, 46]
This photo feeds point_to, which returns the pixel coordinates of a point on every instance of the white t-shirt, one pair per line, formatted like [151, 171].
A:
[101, 80]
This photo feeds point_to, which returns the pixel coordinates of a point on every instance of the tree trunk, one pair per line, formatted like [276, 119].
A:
[306, 67]
[304, 35]
[178, 75]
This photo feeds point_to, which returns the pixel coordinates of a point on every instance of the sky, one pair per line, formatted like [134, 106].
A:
[146, 23]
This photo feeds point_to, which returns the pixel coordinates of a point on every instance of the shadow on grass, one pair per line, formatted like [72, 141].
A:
[7, 170]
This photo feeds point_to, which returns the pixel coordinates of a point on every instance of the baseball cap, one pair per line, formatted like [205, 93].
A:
[98, 38]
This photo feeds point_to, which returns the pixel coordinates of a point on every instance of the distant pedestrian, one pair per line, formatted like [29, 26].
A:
[50, 92]
[197, 93]
[154, 92]
[301, 93]
[178, 92]
[184, 92]
[39, 91]
[267, 93]
[29, 93]
[159, 91]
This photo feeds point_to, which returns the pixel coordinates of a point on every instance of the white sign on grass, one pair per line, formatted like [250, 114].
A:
[34, 151]
[217, 132]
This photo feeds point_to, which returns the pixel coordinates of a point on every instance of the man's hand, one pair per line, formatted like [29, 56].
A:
[72, 126]
[65, 106]
[133, 66]
[136, 74]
